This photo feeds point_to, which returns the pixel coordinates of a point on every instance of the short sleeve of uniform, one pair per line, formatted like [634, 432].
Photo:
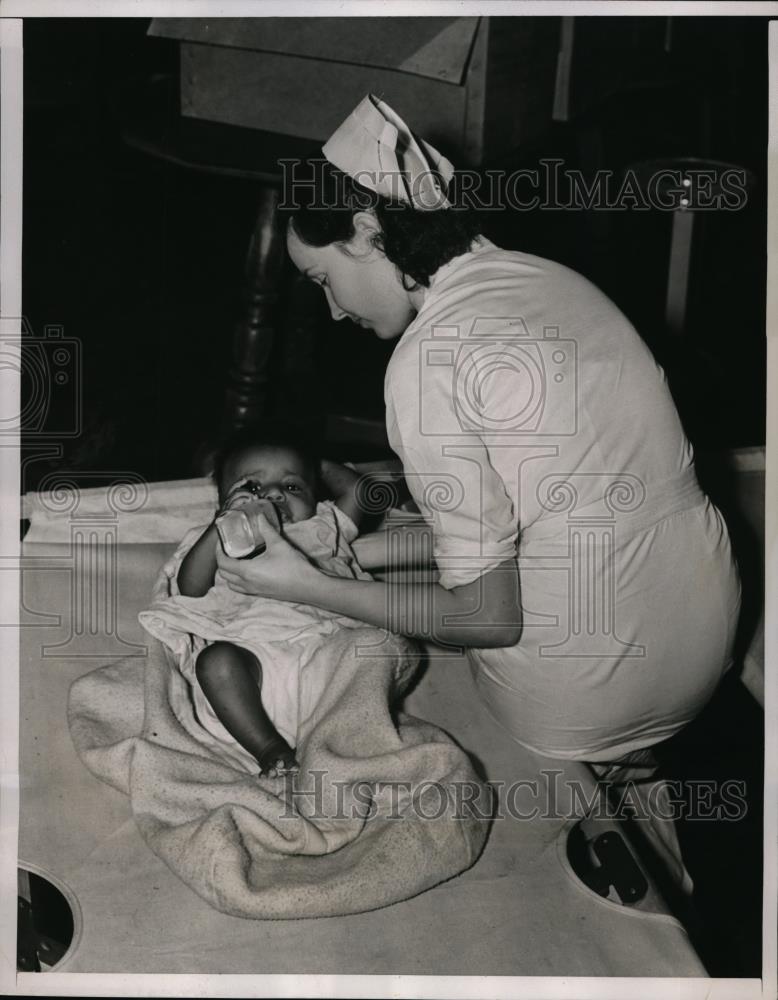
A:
[448, 471]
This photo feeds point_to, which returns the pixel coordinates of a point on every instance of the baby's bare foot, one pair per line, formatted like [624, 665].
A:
[278, 759]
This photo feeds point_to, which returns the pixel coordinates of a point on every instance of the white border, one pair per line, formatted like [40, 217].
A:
[10, 309]
[379, 8]
[443, 987]
[76, 984]
[770, 898]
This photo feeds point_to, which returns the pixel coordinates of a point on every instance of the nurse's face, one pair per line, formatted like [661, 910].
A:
[359, 282]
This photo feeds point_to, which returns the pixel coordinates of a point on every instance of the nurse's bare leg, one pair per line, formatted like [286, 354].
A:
[231, 680]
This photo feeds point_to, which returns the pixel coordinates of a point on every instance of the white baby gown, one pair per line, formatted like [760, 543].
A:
[283, 636]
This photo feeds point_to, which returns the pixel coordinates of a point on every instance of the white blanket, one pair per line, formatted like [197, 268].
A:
[376, 814]
[284, 637]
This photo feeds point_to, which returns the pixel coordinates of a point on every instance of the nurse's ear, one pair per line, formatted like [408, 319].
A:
[366, 230]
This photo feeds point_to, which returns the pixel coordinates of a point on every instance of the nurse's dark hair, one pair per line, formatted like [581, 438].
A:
[322, 201]
[267, 434]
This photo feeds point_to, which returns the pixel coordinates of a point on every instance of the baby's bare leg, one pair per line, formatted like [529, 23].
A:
[231, 678]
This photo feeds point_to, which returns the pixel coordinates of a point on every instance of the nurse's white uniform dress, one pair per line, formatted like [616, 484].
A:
[531, 419]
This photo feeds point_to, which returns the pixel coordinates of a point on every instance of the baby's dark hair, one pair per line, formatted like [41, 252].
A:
[268, 434]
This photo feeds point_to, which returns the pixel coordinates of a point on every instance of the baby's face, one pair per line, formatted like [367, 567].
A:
[283, 477]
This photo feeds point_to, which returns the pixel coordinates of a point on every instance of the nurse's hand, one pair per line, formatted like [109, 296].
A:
[280, 572]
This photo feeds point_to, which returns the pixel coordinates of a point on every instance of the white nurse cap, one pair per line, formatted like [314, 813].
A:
[376, 148]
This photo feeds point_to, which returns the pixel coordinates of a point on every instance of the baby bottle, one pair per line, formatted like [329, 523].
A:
[239, 536]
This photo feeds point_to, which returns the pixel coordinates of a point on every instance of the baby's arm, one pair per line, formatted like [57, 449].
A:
[360, 495]
[341, 484]
[195, 576]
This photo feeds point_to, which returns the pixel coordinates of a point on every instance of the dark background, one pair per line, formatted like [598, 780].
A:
[142, 262]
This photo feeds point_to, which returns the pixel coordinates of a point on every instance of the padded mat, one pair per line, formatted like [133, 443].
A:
[518, 911]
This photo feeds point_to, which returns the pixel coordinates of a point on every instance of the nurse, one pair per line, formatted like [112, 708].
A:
[589, 578]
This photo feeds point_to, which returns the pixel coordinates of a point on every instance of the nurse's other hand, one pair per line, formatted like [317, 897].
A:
[280, 572]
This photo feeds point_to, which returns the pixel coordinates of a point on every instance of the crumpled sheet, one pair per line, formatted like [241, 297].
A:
[385, 806]
[283, 636]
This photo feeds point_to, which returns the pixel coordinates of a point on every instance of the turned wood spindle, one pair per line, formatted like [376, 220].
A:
[246, 397]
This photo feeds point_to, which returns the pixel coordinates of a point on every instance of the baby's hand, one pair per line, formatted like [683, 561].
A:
[281, 571]
[239, 529]
[240, 495]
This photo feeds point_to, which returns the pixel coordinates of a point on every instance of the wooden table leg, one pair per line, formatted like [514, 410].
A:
[249, 374]
[300, 395]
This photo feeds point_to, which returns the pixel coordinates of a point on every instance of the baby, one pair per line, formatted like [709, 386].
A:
[247, 656]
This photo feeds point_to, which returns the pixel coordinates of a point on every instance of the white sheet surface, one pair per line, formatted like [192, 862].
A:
[518, 911]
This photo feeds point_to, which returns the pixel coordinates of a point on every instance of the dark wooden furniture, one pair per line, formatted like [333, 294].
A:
[480, 88]
[153, 124]
[476, 87]
[249, 88]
